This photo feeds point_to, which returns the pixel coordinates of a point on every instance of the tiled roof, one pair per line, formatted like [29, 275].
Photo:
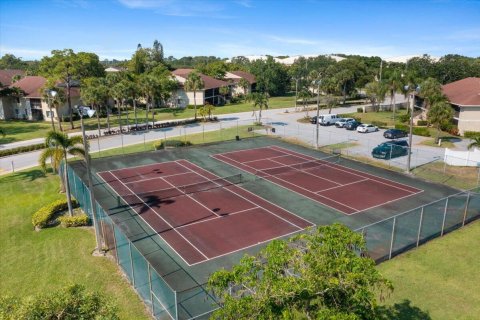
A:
[7, 75]
[32, 86]
[465, 92]
[242, 74]
[209, 82]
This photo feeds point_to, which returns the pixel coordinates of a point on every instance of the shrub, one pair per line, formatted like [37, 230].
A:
[421, 131]
[171, 144]
[43, 215]
[75, 221]
[404, 118]
[402, 127]
[192, 106]
[33, 147]
[379, 124]
[422, 122]
[359, 110]
[471, 134]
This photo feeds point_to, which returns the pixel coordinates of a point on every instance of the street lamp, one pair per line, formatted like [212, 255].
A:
[51, 94]
[82, 111]
[318, 112]
[412, 107]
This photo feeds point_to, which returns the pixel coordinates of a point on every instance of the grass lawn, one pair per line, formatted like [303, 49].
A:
[25, 130]
[441, 277]
[381, 116]
[457, 177]
[35, 262]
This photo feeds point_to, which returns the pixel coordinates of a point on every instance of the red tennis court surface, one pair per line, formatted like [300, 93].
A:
[217, 219]
[347, 190]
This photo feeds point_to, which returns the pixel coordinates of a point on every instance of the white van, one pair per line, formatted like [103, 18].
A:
[328, 119]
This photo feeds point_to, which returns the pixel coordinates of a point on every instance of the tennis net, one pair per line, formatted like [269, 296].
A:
[302, 166]
[161, 194]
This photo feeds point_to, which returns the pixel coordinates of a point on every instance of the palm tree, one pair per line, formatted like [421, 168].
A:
[431, 91]
[224, 91]
[206, 110]
[260, 100]
[244, 84]
[59, 145]
[395, 84]
[304, 95]
[439, 113]
[150, 88]
[375, 92]
[194, 83]
[475, 143]
[95, 93]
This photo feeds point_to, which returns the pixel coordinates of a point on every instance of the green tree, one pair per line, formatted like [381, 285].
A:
[315, 275]
[206, 110]
[72, 302]
[224, 91]
[95, 93]
[260, 101]
[244, 84]
[54, 101]
[150, 88]
[395, 84]
[70, 68]
[138, 62]
[194, 83]
[58, 147]
[375, 92]
[215, 69]
[9, 61]
[439, 114]
[431, 91]
[475, 142]
[305, 95]
[272, 77]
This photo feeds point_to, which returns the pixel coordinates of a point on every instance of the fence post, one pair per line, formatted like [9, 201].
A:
[131, 262]
[392, 239]
[176, 305]
[466, 209]
[13, 167]
[150, 287]
[115, 242]
[420, 226]
[444, 216]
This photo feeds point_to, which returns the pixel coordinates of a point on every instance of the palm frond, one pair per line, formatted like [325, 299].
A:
[77, 151]
[76, 140]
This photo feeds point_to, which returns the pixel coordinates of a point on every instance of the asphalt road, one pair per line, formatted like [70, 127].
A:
[285, 123]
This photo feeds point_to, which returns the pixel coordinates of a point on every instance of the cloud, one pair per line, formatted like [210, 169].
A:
[25, 53]
[244, 3]
[465, 35]
[180, 8]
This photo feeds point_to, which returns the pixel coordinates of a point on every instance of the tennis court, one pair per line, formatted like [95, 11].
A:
[323, 180]
[199, 215]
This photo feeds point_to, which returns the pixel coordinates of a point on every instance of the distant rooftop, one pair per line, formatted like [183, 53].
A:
[7, 75]
[209, 82]
[465, 92]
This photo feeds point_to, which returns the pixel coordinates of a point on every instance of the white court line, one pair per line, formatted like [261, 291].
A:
[148, 224]
[390, 201]
[243, 150]
[255, 203]
[343, 185]
[365, 175]
[217, 217]
[305, 171]
[283, 155]
[183, 193]
[293, 214]
[173, 228]
[142, 180]
[285, 187]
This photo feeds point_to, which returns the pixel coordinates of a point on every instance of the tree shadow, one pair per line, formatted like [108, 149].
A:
[402, 311]
[29, 175]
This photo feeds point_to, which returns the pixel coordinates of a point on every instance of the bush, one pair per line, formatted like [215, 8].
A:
[379, 124]
[43, 215]
[192, 106]
[33, 147]
[75, 221]
[403, 127]
[421, 131]
[404, 118]
[471, 134]
[359, 110]
[171, 144]
[422, 122]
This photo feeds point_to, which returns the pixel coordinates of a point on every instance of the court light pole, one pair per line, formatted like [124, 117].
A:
[98, 238]
[410, 134]
[51, 94]
[317, 123]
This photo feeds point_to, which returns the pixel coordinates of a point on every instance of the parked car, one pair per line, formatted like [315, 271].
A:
[352, 125]
[395, 134]
[390, 149]
[342, 122]
[364, 128]
[326, 119]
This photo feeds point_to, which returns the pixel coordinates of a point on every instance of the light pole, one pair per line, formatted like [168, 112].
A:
[317, 123]
[81, 112]
[51, 94]
[410, 134]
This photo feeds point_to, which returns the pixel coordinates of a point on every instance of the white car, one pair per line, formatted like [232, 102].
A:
[342, 122]
[364, 128]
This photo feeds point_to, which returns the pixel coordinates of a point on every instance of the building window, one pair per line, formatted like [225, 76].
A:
[50, 114]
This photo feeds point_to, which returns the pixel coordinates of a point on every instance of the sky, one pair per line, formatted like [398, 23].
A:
[225, 28]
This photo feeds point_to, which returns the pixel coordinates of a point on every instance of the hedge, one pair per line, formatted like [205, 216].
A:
[43, 215]
[419, 131]
[171, 144]
[75, 221]
[33, 147]
[422, 122]
[471, 134]
[379, 124]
